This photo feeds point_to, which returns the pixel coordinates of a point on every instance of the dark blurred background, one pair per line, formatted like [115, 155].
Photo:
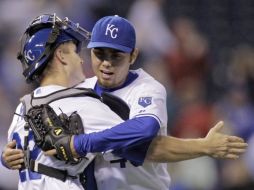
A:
[201, 50]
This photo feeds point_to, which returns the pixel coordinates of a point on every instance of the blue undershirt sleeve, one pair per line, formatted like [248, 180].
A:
[128, 134]
[136, 155]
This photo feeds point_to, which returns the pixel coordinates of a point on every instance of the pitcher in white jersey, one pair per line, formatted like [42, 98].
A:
[112, 52]
[128, 147]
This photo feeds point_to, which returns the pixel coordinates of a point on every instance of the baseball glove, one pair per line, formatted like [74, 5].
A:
[54, 132]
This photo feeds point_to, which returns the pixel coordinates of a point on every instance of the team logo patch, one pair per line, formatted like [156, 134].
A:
[145, 101]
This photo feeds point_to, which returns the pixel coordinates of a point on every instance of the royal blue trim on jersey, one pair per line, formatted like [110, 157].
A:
[128, 134]
[22, 175]
[33, 155]
[130, 78]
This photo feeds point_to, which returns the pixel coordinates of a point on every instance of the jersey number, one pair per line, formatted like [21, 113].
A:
[33, 155]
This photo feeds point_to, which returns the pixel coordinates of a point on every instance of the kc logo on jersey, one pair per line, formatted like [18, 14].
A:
[112, 30]
[145, 101]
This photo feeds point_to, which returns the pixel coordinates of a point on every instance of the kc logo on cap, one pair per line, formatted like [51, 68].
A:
[112, 29]
[113, 32]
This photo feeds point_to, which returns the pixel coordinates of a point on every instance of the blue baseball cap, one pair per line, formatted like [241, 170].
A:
[113, 32]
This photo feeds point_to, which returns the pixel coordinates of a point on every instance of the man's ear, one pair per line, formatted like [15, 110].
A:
[59, 54]
[134, 55]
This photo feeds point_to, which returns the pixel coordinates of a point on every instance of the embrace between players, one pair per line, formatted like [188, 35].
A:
[113, 153]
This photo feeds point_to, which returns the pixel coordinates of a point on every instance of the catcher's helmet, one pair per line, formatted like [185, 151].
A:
[42, 37]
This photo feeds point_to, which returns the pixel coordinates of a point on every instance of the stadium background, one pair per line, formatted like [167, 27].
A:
[201, 50]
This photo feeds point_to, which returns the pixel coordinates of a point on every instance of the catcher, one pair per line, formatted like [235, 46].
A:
[51, 113]
[55, 114]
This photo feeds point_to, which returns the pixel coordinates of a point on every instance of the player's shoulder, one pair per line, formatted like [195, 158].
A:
[146, 81]
[88, 83]
[17, 121]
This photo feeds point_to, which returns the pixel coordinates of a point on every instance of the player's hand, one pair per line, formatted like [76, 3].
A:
[53, 152]
[12, 157]
[223, 146]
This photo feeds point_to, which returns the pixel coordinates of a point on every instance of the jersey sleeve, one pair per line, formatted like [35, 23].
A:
[15, 120]
[149, 100]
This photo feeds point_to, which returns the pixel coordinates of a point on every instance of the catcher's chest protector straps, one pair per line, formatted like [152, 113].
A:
[29, 100]
[116, 104]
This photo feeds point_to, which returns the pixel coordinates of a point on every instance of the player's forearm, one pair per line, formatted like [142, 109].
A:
[171, 149]
[215, 145]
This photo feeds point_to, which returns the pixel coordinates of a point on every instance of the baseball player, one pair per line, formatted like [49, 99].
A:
[112, 52]
[129, 140]
[49, 55]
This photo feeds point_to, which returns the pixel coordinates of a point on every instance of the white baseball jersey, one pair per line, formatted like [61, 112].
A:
[95, 117]
[145, 97]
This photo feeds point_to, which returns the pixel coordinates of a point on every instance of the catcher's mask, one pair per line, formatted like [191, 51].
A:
[43, 35]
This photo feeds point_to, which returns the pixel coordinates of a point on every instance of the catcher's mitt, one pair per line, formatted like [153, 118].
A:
[54, 132]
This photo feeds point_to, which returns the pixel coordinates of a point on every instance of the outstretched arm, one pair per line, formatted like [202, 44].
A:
[215, 144]
[171, 149]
